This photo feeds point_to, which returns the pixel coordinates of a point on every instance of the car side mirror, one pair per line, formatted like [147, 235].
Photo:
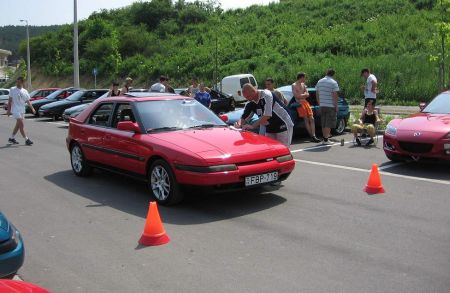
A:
[422, 106]
[128, 126]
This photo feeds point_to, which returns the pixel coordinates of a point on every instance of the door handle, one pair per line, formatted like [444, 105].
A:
[108, 137]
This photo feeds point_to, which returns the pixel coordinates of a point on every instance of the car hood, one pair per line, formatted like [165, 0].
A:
[77, 108]
[4, 228]
[224, 145]
[425, 122]
[59, 104]
[42, 102]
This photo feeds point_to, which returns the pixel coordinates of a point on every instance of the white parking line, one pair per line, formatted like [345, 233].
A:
[446, 182]
[324, 146]
[59, 123]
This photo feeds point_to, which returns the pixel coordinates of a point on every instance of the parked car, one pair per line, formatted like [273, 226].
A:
[56, 109]
[4, 96]
[299, 124]
[16, 286]
[171, 141]
[12, 252]
[53, 97]
[75, 110]
[220, 102]
[42, 93]
[422, 135]
[233, 84]
[342, 115]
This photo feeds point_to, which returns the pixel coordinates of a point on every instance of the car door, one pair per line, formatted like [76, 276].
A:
[93, 134]
[125, 149]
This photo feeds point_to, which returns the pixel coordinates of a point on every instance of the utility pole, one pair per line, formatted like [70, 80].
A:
[30, 88]
[76, 62]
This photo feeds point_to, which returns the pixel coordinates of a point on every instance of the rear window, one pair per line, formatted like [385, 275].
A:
[102, 115]
[244, 81]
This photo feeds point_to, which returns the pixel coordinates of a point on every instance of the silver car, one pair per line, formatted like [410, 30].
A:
[4, 96]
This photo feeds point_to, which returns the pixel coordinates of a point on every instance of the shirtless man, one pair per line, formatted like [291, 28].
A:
[304, 110]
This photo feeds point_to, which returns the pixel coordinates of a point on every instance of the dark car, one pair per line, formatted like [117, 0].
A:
[75, 110]
[342, 116]
[220, 101]
[53, 97]
[12, 252]
[56, 109]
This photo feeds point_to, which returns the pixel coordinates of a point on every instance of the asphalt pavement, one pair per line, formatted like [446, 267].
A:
[319, 232]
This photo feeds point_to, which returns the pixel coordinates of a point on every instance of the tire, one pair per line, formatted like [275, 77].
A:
[78, 162]
[340, 126]
[162, 184]
[393, 158]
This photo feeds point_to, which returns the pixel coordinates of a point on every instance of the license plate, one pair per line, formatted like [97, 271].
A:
[261, 179]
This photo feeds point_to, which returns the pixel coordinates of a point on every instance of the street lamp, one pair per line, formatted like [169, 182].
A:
[28, 56]
[76, 62]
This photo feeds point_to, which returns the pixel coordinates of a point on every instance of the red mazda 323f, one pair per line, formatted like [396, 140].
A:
[170, 142]
[422, 135]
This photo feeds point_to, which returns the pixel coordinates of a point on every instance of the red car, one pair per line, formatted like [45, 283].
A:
[41, 93]
[422, 135]
[171, 142]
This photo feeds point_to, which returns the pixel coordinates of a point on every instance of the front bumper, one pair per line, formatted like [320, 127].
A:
[234, 179]
[11, 261]
[438, 149]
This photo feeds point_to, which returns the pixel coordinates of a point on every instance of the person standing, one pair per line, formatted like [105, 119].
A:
[127, 86]
[327, 96]
[194, 87]
[370, 88]
[270, 85]
[203, 97]
[160, 86]
[114, 91]
[18, 97]
[304, 110]
[271, 113]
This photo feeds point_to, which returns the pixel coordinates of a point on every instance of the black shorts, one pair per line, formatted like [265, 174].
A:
[366, 100]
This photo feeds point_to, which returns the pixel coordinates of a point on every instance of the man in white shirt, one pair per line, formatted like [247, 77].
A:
[160, 87]
[370, 88]
[18, 97]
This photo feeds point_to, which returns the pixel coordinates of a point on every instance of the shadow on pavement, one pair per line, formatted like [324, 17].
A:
[428, 170]
[130, 196]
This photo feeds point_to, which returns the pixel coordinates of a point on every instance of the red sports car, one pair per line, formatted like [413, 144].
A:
[422, 135]
[171, 142]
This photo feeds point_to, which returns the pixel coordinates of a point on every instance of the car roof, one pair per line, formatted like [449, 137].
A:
[146, 97]
[288, 88]
[238, 75]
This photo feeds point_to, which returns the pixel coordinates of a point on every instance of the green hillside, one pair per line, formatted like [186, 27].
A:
[146, 39]
[11, 36]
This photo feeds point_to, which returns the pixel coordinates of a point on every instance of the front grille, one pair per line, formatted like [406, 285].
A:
[416, 147]
[7, 246]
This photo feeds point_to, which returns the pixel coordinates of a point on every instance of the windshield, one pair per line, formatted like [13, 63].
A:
[439, 105]
[76, 96]
[33, 93]
[176, 115]
[53, 95]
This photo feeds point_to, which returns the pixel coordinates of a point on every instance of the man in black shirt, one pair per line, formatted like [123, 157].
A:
[271, 113]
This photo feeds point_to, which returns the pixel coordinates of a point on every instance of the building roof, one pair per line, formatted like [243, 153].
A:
[5, 52]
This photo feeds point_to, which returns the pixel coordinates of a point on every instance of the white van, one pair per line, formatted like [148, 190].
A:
[233, 85]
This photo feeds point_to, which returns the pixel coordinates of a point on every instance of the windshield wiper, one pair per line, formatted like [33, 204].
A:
[173, 128]
[208, 125]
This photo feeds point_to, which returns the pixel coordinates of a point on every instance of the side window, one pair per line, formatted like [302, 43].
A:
[101, 115]
[252, 81]
[243, 81]
[312, 98]
[123, 113]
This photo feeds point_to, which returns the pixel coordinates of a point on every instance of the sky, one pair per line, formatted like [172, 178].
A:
[48, 12]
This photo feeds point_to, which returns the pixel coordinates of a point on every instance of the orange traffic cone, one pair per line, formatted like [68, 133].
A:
[154, 233]
[374, 184]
